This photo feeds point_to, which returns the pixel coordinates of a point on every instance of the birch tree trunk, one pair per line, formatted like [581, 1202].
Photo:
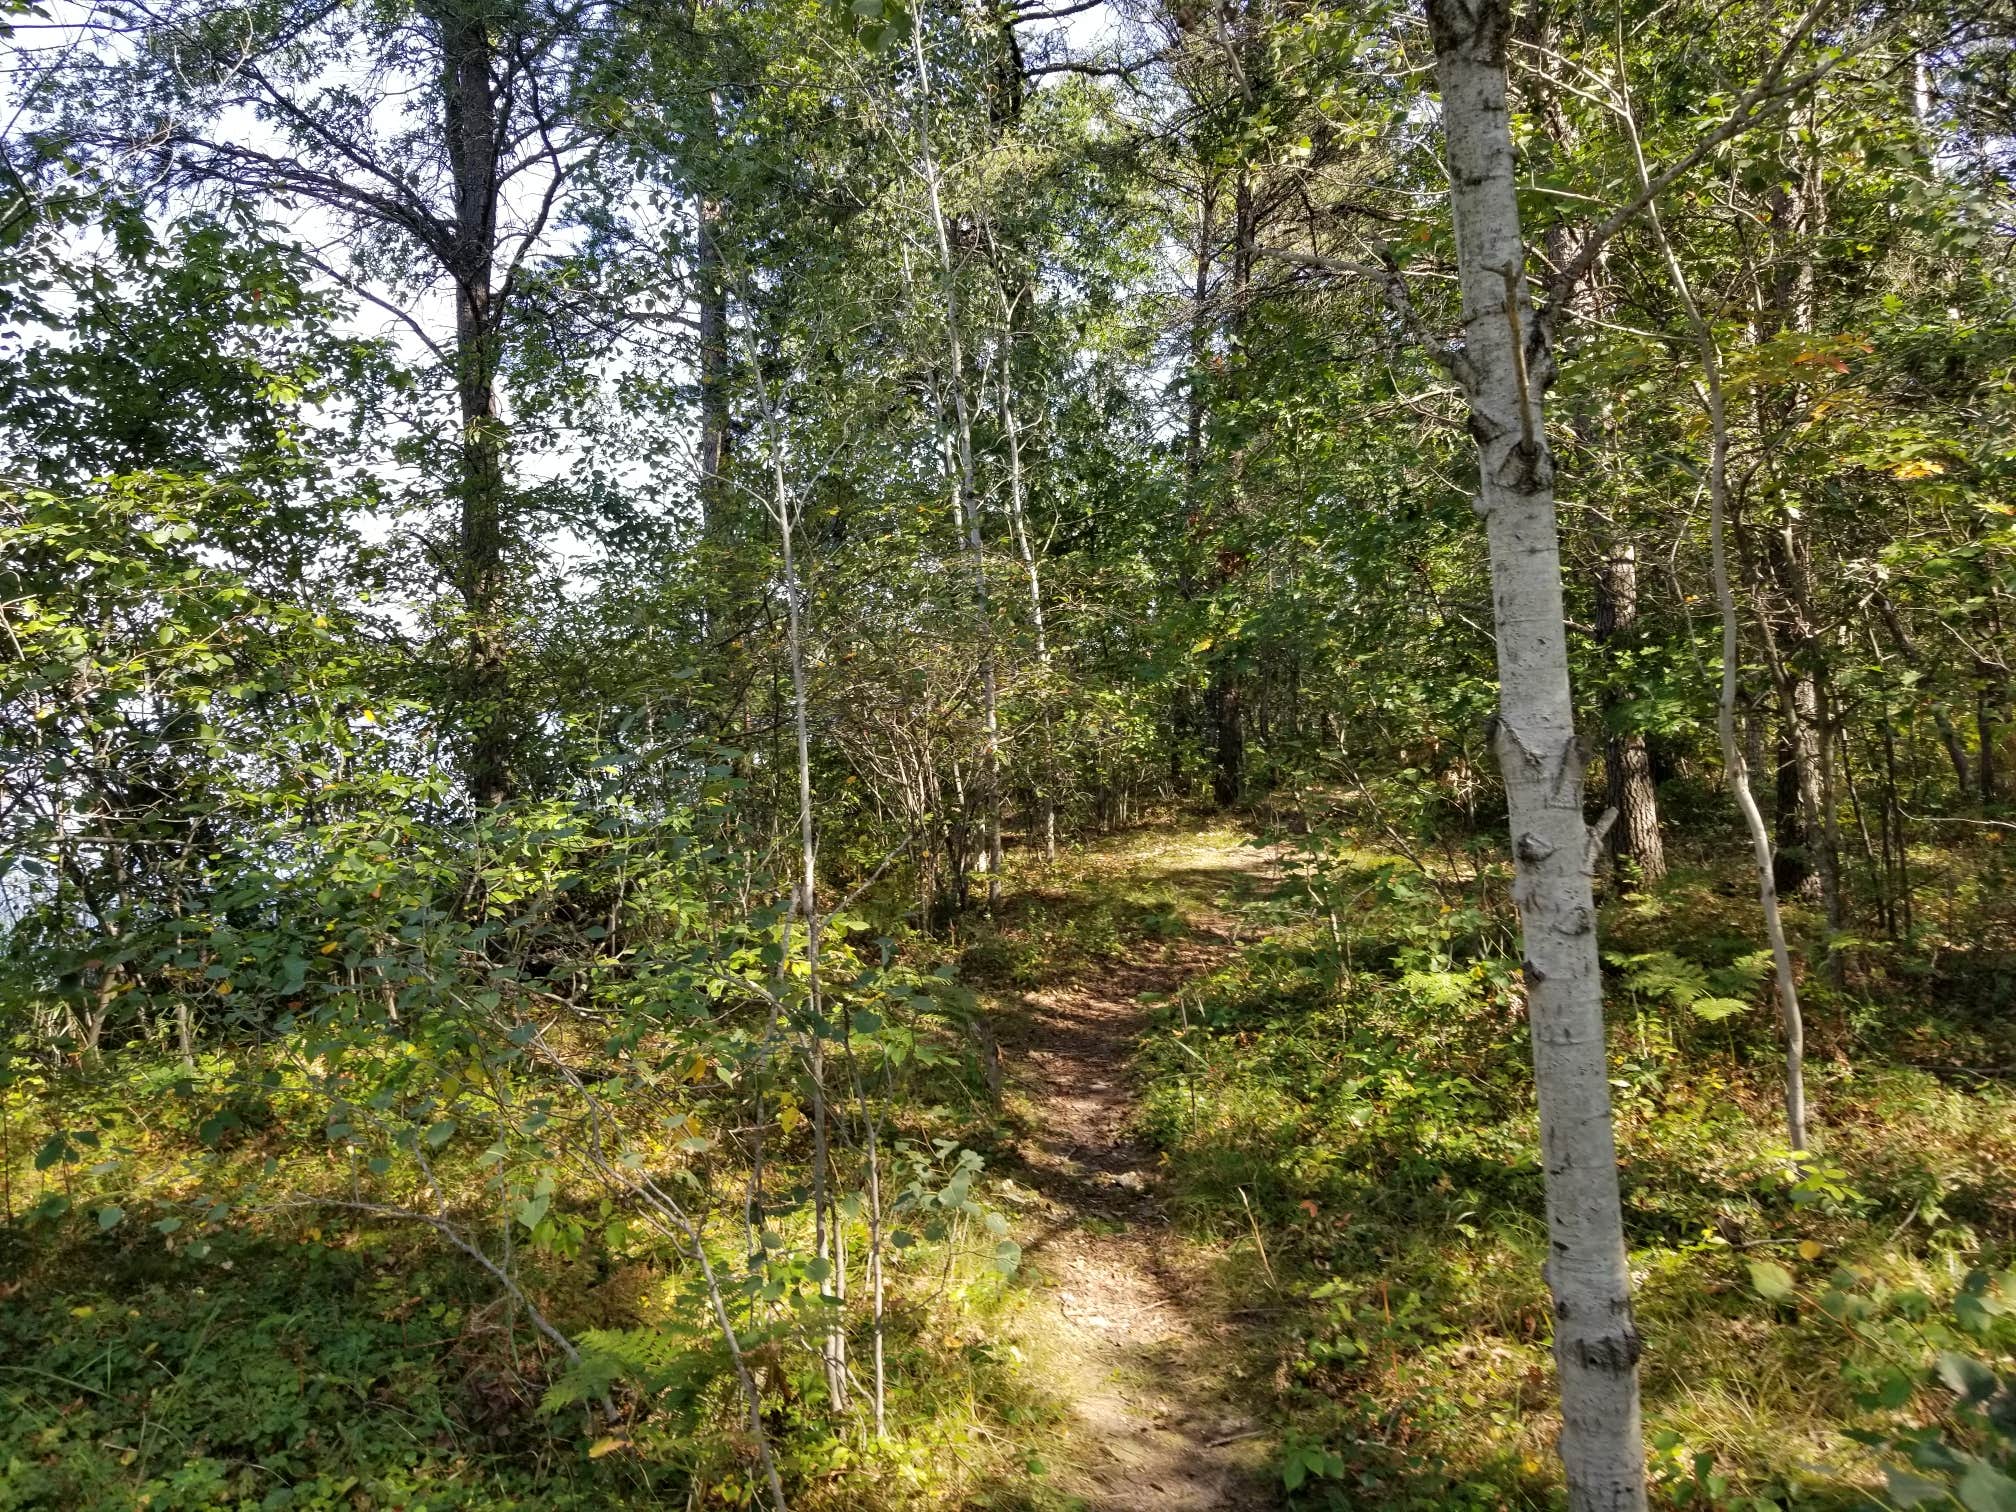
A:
[1715, 402]
[827, 1241]
[1011, 429]
[1227, 695]
[1503, 370]
[713, 368]
[966, 498]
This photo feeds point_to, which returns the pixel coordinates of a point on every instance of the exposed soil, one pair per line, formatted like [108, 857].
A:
[1138, 1344]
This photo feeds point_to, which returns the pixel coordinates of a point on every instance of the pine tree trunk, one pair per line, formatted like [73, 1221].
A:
[1596, 1343]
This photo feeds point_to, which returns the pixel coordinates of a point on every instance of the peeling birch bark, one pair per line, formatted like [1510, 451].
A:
[1504, 368]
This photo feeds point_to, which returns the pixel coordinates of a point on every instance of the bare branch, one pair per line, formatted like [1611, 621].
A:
[1386, 276]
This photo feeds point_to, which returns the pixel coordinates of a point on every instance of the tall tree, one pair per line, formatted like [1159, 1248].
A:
[1504, 368]
[447, 195]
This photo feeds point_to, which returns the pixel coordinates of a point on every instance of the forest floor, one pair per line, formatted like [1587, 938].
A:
[1127, 1320]
[1266, 1140]
[1268, 1145]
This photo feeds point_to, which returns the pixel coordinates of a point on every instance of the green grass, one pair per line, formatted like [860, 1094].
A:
[1380, 1119]
[1365, 1112]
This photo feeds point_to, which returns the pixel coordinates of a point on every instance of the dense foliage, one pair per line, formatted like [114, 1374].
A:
[593, 596]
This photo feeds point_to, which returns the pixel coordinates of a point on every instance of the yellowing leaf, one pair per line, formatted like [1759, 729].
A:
[790, 1117]
[1201, 647]
[332, 947]
[608, 1445]
[1810, 1249]
[223, 989]
[1918, 467]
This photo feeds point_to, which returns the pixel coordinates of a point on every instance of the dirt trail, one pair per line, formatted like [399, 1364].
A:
[1129, 1328]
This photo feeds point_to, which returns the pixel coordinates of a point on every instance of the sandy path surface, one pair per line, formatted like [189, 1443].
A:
[1131, 1326]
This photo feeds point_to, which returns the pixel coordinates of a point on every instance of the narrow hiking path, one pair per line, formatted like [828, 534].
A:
[1126, 1319]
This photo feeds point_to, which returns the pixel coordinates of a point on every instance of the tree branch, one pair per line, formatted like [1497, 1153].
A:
[1386, 276]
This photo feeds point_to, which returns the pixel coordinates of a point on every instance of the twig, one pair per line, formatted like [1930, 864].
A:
[1265, 1264]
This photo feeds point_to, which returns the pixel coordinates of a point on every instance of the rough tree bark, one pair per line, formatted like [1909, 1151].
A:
[1504, 368]
[1627, 764]
[470, 116]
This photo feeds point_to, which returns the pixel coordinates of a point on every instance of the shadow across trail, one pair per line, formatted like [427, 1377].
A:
[1123, 1317]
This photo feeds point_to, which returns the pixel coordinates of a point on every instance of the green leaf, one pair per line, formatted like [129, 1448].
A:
[109, 1216]
[1716, 1009]
[56, 1148]
[1983, 1488]
[1771, 1280]
[1907, 1490]
[1968, 1378]
[439, 1134]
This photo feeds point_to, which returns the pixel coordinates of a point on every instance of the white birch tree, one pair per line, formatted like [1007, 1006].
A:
[1503, 367]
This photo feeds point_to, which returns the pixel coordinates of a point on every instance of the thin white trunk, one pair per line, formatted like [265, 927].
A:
[966, 498]
[1018, 520]
[825, 1246]
[1733, 761]
[1503, 373]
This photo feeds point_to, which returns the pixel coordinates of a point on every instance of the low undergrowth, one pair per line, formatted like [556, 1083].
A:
[1348, 1104]
[299, 1351]
[213, 1298]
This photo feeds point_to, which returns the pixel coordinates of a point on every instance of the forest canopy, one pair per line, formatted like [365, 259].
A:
[1034, 754]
